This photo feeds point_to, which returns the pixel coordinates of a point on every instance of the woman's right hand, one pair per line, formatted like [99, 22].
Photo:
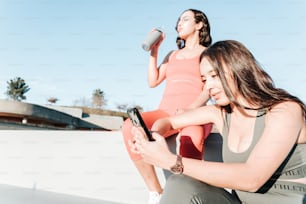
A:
[155, 152]
[156, 46]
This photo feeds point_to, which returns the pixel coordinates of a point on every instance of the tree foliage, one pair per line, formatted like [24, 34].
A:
[16, 89]
[98, 98]
[52, 100]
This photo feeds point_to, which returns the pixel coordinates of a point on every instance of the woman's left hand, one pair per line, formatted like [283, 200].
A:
[153, 152]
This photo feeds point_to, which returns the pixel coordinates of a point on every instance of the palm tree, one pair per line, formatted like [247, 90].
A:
[16, 88]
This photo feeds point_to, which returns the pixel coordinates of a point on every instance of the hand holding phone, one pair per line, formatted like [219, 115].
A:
[137, 121]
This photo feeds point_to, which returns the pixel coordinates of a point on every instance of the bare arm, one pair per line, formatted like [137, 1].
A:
[282, 129]
[201, 100]
[156, 74]
[196, 116]
[198, 102]
[283, 125]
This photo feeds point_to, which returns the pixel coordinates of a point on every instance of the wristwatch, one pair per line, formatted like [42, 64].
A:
[178, 167]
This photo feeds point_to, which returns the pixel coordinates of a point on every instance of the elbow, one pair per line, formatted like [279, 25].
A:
[162, 126]
[152, 84]
[253, 184]
[252, 187]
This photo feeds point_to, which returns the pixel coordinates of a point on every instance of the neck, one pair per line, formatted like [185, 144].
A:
[193, 46]
[245, 111]
[192, 42]
[244, 104]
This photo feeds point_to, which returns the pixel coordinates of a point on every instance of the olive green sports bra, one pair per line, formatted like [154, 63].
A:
[293, 167]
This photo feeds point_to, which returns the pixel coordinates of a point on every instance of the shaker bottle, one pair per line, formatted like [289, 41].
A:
[153, 38]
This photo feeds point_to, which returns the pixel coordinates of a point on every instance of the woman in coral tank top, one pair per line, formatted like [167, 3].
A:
[184, 90]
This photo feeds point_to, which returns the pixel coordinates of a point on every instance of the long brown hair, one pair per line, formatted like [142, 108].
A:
[250, 80]
[204, 34]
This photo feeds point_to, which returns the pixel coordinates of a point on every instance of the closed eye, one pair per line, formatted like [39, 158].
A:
[203, 79]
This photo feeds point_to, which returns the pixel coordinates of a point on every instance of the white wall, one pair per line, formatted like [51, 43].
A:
[85, 163]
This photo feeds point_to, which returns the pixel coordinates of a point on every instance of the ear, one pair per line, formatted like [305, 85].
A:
[199, 26]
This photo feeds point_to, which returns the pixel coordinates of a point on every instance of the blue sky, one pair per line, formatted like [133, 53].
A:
[68, 48]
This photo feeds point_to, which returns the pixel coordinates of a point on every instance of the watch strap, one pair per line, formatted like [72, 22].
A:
[178, 167]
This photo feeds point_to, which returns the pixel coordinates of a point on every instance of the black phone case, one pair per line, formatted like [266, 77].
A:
[138, 121]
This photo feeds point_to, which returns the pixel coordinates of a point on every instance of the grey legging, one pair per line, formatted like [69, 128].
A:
[182, 189]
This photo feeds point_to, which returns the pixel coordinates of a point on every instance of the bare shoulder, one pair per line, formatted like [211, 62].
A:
[169, 55]
[286, 116]
[287, 108]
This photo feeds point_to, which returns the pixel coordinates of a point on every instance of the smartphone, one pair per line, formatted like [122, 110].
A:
[138, 122]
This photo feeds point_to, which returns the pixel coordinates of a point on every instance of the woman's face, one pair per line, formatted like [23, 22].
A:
[213, 83]
[186, 25]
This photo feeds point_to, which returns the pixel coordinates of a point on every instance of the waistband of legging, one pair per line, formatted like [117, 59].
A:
[298, 172]
[288, 187]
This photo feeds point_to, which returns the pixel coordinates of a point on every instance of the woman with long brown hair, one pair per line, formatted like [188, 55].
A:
[263, 130]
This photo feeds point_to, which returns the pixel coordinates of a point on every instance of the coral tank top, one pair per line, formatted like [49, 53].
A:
[183, 83]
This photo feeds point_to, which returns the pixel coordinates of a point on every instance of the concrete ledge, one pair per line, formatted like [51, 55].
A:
[108, 122]
[111, 122]
[36, 114]
[76, 112]
[90, 164]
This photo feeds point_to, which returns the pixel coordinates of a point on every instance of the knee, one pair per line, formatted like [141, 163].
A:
[127, 136]
[182, 189]
[178, 184]
[179, 189]
[207, 129]
[189, 149]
